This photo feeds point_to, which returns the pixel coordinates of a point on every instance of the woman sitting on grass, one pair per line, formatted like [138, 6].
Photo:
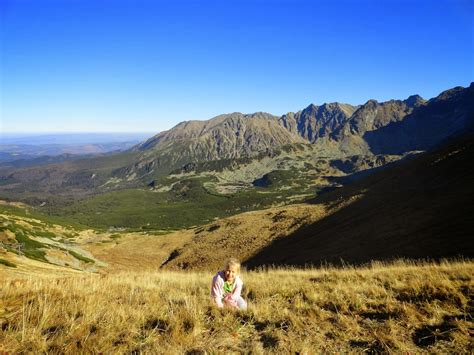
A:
[227, 285]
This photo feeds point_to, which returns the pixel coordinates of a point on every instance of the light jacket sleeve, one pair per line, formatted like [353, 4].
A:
[238, 289]
[217, 290]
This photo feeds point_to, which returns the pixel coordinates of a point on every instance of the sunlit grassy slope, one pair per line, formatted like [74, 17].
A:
[26, 236]
[34, 244]
[400, 307]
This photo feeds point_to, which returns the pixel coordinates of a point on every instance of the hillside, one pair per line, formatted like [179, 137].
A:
[416, 209]
[31, 243]
[242, 235]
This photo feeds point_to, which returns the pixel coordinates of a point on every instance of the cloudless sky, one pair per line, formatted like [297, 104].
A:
[144, 66]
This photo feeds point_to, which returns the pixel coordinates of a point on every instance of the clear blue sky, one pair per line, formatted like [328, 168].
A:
[138, 65]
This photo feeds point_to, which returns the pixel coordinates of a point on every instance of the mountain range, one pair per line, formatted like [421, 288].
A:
[332, 130]
[323, 146]
[342, 129]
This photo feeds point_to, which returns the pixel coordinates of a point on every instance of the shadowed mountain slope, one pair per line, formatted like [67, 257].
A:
[449, 114]
[418, 209]
[241, 235]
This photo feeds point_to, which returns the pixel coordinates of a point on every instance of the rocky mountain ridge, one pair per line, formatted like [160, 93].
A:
[337, 127]
[226, 136]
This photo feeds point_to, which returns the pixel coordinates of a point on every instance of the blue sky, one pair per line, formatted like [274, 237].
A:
[144, 66]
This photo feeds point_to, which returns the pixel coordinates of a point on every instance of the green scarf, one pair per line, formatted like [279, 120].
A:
[227, 287]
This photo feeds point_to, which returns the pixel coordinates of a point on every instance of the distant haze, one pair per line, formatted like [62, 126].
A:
[71, 138]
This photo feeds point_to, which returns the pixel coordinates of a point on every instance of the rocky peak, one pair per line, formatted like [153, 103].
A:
[310, 110]
[330, 106]
[414, 101]
[315, 122]
[370, 104]
[450, 94]
[373, 115]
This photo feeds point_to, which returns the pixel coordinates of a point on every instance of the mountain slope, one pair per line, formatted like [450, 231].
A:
[241, 235]
[448, 115]
[29, 241]
[418, 209]
[223, 137]
[315, 122]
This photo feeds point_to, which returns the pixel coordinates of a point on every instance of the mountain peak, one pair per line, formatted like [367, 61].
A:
[414, 101]
[372, 102]
[329, 105]
[448, 94]
[311, 107]
[261, 114]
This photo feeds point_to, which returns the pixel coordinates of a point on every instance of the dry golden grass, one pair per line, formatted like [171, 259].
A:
[401, 307]
[136, 251]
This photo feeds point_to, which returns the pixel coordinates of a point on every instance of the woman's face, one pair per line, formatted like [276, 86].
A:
[230, 273]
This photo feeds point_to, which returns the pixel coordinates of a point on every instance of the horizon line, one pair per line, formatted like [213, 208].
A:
[75, 132]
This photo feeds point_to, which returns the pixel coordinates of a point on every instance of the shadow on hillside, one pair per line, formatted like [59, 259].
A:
[347, 179]
[426, 126]
[419, 209]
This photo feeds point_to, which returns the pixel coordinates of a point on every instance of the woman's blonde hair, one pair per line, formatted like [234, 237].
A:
[232, 261]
